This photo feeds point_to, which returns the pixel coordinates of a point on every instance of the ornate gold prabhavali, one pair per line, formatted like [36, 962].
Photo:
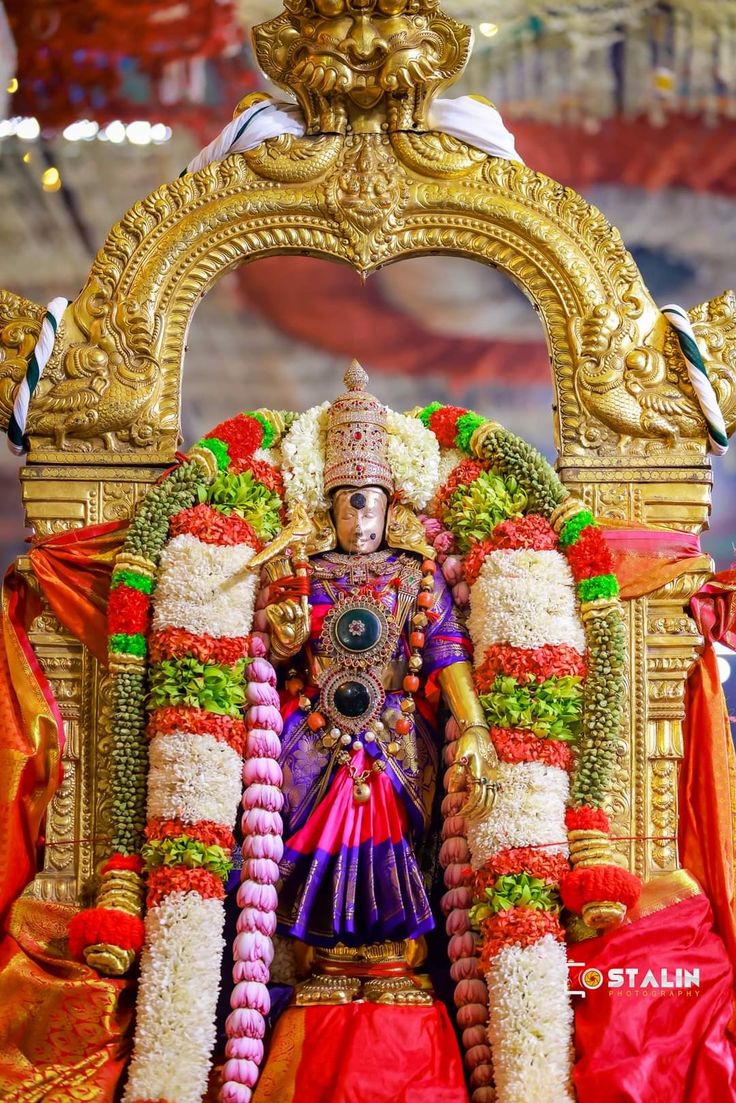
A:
[369, 185]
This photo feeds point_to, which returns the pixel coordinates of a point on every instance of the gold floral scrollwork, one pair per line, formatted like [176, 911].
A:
[105, 387]
[363, 64]
[368, 194]
[20, 324]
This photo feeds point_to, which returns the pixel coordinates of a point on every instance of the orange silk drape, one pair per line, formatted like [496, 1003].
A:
[73, 571]
[707, 813]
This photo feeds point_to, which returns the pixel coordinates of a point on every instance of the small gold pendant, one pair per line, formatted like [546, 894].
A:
[361, 792]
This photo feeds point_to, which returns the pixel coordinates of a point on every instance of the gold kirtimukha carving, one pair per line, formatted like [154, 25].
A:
[370, 184]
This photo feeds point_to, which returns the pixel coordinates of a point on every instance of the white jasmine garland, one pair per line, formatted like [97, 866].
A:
[450, 458]
[193, 777]
[303, 451]
[269, 455]
[530, 1023]
[180, 980]
[529, 810]
[205, 588]
[414, 458]
[524, 598]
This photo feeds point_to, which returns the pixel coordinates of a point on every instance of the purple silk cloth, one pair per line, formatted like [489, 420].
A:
[349, 871]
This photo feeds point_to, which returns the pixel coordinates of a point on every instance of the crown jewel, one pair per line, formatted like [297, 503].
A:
[357, 437]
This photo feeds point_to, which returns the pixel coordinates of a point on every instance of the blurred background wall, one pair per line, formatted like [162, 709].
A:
[631, 103]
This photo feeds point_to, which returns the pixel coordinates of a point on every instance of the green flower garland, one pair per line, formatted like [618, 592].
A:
[550, 709]
[129, 750]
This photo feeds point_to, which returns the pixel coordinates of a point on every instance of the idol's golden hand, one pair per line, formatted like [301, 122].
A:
[289, 627]
[476, 770]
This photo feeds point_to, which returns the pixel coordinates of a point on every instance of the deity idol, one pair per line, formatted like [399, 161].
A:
[360, 748]
[368, 648]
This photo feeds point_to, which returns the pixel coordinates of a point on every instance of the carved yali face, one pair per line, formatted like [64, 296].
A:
[361, 49]
[365, 50]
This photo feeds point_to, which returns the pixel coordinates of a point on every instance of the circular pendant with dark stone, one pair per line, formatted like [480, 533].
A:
[358, 629]
[359, 632]
[351, 698]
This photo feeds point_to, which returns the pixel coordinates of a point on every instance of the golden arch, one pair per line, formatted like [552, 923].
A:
[631, 439]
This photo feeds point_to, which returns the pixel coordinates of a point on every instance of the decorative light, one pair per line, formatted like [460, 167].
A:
[114, 132]
[160, 133]
[138, 133]
[488, 29]
[28, 129]
[51, 179]
[12, 86]
[83, 130]
[27, 157]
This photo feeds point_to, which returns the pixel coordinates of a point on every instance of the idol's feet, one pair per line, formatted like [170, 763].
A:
[326, 990]
[397, 991]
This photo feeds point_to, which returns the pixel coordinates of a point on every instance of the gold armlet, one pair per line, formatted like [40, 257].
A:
[459, 692]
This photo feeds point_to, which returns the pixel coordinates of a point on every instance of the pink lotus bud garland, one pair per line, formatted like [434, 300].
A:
[262, 850]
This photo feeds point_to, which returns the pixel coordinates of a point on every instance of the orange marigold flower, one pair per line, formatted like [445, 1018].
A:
[175, 643]
[212, 527]
[513, 745]
[525, 663]
[516, 927]
[165, 880]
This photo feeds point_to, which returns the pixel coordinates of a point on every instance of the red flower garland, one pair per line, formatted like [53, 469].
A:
[464, 474]
[168, 879]
[193, 721]
[521, 746]
[213, 527]
[516, 927]
[110, 925]
[589, 555]
[585, 885]
[204, 831]
[265, 472]
[526, 663]
[175, 643]
[530, 531]
[587, 819]
[127, 611]
[242, 435]
[443, 423]
[475, 559]
[536, 861]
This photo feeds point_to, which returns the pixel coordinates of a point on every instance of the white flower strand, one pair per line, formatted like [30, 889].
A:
[192, 778]
[529, 810]
[530, 1023]
[180, 980]
[205, 588]
[414, 459]
[303, 450]
[524, 598]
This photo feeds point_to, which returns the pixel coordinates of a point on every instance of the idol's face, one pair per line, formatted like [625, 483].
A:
[360, 518]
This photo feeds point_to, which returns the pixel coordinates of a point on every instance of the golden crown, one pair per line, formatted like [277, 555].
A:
[357, 437]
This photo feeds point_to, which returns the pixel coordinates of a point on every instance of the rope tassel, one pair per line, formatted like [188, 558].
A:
[698, 376]
[36, 365]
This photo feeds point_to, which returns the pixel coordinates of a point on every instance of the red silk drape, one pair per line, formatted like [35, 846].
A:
[641, 1044]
